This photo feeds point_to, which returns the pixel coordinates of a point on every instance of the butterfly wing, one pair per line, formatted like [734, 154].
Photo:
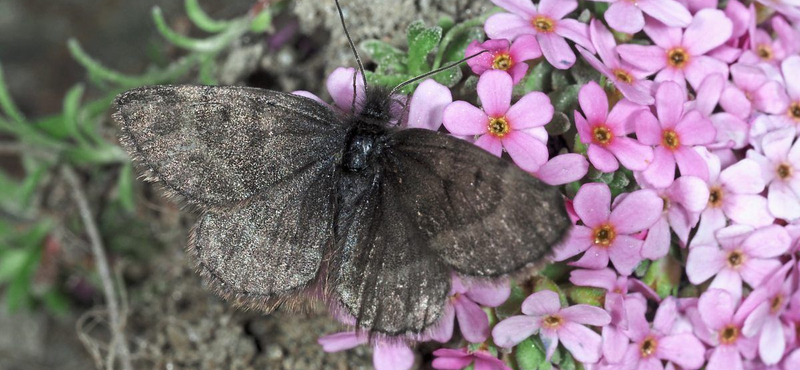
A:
[482, 215]
[219, 145]
[261, 164]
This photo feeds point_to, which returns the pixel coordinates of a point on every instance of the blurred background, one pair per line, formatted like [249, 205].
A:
[84, 243]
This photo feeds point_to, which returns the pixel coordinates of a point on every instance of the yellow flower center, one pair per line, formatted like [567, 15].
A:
[544, 24]
[776, 303]
[794, 111]
[502, 62]
[677, 57]
[784, 171]
[667, 203]
[671, 140]
[715, 197]
[604, 235]
[764, 52]
[552, 321]
[499, 127]
[648, 347]
[602, 135]
[736, 259]
[623, 76]
[729, 334]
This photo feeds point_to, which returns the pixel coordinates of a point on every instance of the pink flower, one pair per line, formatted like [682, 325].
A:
[563, 169]
[680, 55]
[733, 193]
[780, 168]
[731, 130]
[517, 129]
[606, 234]
[629, 80]
[455, 359]
[606, 133]
[767, 303]
[791, 75]
[545, 23]
[752, 90]
[502, 57]
[543, 314]
[744, 253]
[791, 8]
[387, 355]
[425, 108]
[719, 325]
[463, 304]
[683, 202]
[674, 134]
[626, 16]
[695, 6]
[650, 346]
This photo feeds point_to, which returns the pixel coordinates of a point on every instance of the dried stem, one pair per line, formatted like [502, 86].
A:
[119, 343]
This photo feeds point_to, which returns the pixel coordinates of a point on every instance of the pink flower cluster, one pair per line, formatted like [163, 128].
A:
[695, 259]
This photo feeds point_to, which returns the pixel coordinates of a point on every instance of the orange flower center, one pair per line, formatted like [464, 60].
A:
[784, 171]
[544, 24]
[794, 111]
[715, 197]
[671, 140]
[552, 321]
[677, 57]
[499, 127]
[502, 62]
[729, 334]
[764, 52]
[602, 135]
[623, 76]
[736, 259]
[604, 235]
[648, 347]
[776, 303]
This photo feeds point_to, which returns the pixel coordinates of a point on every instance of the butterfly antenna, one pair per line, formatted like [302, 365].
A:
[428, 74]
[355, 53]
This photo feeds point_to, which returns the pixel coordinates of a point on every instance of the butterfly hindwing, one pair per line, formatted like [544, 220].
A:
[219, 145]
[481, 214]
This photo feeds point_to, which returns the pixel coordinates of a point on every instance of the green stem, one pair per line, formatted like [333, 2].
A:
[7, 103]
[202, 20]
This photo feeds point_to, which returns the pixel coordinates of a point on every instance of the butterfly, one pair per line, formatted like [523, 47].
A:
[300, 199]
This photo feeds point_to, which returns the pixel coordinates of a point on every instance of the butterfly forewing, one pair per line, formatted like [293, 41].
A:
[218, 145]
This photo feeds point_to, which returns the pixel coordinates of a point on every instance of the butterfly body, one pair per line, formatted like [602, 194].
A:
[299, 198]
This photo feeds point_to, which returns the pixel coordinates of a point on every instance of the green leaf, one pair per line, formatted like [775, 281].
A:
[559, 125]
[512, 305]
[567, 361]
[587, 295]
[262, 22]
[530, 355]
[100, 155]
[125, 188]
[389, 80]
[202, 20]
[421, 42]
[566, 99]
[538, 78]
[555, 271]
[449, 77]
[389, 59]
[584, 73]
[446, 22]
[7, 105]
[72, 105]
[457, 48]
[664, 276]
[12, 261]
[55, 302]
[177, 39]
[543, 283]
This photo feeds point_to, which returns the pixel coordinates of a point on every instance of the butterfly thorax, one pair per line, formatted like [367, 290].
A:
[368, 128]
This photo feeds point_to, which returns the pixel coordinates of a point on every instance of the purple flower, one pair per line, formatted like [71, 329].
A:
[719, 325]
[517, 129]
[626, 16]
[765, 49]
[463, 303]
[563, 169]
[744, 253]
[543, 314]
[387, 355]
[684, 200]
[731, 130]
[766, 304]
[734, 193]
[455, 359]
[503, 57]
[629, 80]
[545, 23]
[605, 233]
[791, 117]
[426, 106]
[674, 134]
[606, 133]
[650, 346]
[752, 90]
[780, 166]
[680, 55]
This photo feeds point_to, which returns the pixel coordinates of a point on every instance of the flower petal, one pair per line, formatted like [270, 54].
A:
[716, 308]
[633, 155]
[671, 13]
[704, 261]
[694, 129]
[772, 343]
[592, 204]
[527, 151]
[579, 238]
[507, 26]
[464, 119]
[730, 281]
[625, 253]
[783, 201]
[683, 349]
[638, 211]
[586, 315]
[791, 73]
[428, 104]
[583, 343]
[593, 102]
[602, 159]
[556, 50]
[690, 163]
[669, 104]
[341, 341]
[472, 321]
[392, 357]
[490, 144]
[661, 172]
[557, 9]
[709, 28]
[494, 90]
[702, 66]
[563, 169]
[624, 16]
[648, 129]
[515, 329]
[545, 302]
[708, 94]
[576, 31]
[744, 177]
[603, 278]
[651, 59]
[443, 330]
[533, 110]
[340, 86]
[656, 245]
[521, 7]
[755, 270]
[490, 295]
[524, 48]
[767, 242]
